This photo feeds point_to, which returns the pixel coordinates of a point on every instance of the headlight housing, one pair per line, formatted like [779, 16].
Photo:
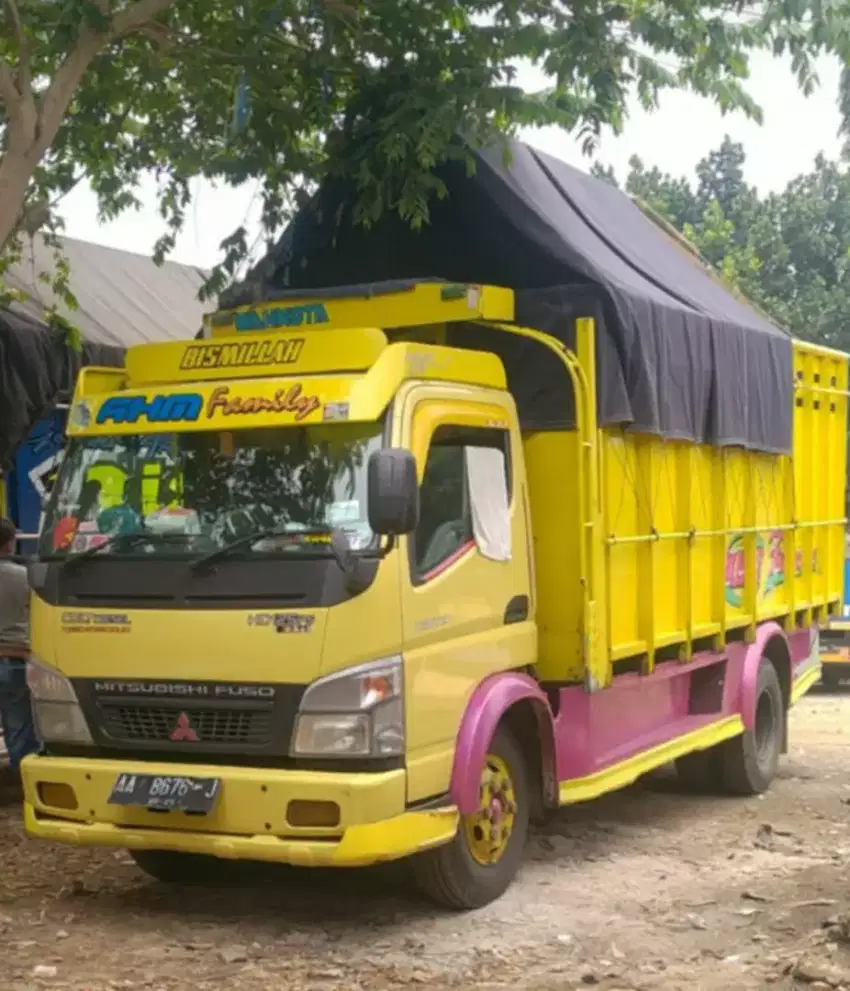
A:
[58, 716]
[358, 712]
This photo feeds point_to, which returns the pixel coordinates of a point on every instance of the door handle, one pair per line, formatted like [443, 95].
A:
[516, 610]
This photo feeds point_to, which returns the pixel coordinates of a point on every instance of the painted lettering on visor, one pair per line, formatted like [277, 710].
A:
[282, 316]
[248, 354]
[178, 408]
[292, 400]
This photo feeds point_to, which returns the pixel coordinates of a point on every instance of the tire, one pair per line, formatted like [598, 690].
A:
[750, 762]
[172, 867]
[830, 679]
[701, 772]
[455, 876]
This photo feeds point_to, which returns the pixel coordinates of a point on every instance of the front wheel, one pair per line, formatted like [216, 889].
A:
[480, 863]
[173, 867]
[700, 772]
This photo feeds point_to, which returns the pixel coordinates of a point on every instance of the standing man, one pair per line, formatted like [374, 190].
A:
[15, 709]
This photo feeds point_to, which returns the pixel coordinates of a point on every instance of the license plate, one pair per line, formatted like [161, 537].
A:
[166, 793]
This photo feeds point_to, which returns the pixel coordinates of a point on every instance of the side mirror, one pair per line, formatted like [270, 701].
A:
[393, 492]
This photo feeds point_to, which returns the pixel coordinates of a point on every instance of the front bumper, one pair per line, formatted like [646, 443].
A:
[249, 821]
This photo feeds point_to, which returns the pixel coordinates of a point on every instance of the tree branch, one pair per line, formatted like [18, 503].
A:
[63, 86]
[9, 94]
[24, 63]
[137, 14]
[89, 43]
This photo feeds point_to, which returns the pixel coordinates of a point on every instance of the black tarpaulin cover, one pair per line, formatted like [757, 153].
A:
[677, 354]
[36, 373]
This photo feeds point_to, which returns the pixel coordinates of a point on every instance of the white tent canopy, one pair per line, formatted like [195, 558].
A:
[124, 298]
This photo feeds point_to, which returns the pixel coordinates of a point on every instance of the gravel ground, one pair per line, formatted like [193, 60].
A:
[647, 890]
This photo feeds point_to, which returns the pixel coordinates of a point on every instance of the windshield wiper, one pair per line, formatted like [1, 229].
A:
[203, 563]
[348, 562]
[120, 540]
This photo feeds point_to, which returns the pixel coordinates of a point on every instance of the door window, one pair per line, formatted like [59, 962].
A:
[445, 528]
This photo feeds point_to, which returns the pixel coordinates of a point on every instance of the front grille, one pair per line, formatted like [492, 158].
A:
[149, 724]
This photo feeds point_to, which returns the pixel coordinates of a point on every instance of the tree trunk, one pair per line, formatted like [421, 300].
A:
[16, 170]
[32, 124]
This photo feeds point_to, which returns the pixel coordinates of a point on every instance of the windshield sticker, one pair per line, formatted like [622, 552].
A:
[247, 355]
[64, 533]
[347, 511]
[282, 316]
[79, 416]
[174, 519]
[93, 622]
[335, 411]
[283, 622]
[292, 400]
[177, 408]
[88, 536]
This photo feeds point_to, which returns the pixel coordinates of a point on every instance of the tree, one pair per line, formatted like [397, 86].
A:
[789, 252]
[808, 278]
[673, 198]
[285, 91]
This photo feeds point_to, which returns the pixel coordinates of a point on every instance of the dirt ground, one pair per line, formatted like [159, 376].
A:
[647, 890]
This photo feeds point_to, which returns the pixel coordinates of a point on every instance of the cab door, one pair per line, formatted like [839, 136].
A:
[467, 606]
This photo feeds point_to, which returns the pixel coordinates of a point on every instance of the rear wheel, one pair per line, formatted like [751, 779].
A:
[172, 867]
[830, 679]
[701, 771]
[751, 761]
[482, 860]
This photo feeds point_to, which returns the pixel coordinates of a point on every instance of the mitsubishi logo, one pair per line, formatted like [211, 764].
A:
[183, 732]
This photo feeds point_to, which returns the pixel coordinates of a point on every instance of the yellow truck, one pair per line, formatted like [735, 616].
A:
[387, 566]
[313, 589]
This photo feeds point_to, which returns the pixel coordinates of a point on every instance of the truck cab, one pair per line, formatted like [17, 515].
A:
[280, 593]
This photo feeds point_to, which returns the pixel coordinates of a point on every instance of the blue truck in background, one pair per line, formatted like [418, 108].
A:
[835, 637]
[25, 486]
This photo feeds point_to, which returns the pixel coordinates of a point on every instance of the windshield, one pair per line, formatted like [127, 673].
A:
[201, 491]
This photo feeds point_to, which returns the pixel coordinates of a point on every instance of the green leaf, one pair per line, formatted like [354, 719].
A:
[375, 92]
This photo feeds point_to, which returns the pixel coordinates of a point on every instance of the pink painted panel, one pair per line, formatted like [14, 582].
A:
[592, 727]
[594, 731]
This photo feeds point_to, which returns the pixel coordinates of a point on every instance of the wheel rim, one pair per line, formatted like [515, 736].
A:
[765, 729]
[489, 829]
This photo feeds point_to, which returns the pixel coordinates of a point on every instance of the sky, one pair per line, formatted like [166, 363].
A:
[674, 137]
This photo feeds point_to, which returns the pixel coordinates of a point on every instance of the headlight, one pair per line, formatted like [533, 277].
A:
[354, 713]
[58, 716]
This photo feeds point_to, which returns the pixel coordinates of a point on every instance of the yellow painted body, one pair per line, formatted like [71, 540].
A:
[695, 539]
[621, 543]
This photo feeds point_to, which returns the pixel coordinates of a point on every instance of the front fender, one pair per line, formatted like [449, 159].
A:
[485, 710]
